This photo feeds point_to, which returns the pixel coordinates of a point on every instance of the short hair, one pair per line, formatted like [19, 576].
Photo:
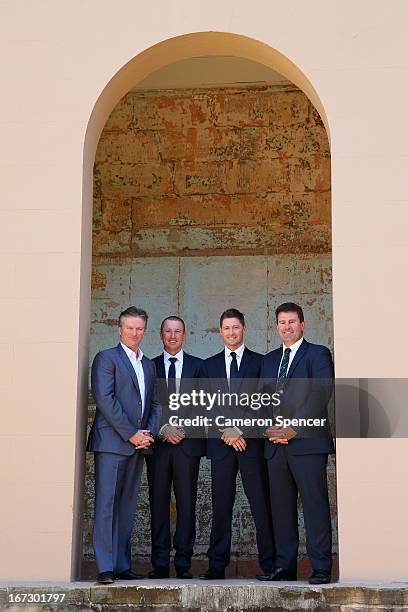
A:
[132, 311]
[290, 307]
[173, 318]
[232, 313]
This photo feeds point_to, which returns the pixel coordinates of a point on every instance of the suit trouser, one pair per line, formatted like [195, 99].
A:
[223, 483]
[306, 474]
[170, 465]
[117, 479]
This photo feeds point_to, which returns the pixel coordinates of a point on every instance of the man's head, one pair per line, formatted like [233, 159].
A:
[132, 324]
[232, 328]
[172, 333]
[290, 322]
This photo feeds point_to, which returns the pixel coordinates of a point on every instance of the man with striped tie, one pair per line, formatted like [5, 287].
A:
[302, 373]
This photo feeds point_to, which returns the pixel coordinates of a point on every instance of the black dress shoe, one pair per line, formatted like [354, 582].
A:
[159, 572]
[129, 575]
[319, 577]
[106, 578]
[184, 574]
[279, 573]
[212, 574]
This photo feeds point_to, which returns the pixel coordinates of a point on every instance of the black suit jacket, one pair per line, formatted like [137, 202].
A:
[307, 391]
[193, 446]
[215, 378]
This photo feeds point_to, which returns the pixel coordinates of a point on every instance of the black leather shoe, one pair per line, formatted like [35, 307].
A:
[159, 572]
[129, 575]
[184, 574]
[319, 577]
[279, 573]
[106, 578]
[212, 574]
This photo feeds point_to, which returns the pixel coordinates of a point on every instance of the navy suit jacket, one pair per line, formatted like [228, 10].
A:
[307, 391]
[194, 447]
[213, 370]
[119, 404]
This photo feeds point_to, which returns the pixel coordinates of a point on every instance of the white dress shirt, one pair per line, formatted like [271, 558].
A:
[179, 369]
[136, 361]
[178, 365]
[293, 350]
[228, 359]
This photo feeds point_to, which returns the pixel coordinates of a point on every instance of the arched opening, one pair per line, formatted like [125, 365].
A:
[267, 195]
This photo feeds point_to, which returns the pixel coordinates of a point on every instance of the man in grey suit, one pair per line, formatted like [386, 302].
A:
[127, 416]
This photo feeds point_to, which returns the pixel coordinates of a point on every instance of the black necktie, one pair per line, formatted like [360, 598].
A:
[171, 378]
[233, 372]
[283, 370]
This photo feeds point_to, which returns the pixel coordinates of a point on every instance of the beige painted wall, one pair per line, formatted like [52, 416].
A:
[56, 60]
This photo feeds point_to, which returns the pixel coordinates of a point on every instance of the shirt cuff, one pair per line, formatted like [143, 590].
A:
[160, 434]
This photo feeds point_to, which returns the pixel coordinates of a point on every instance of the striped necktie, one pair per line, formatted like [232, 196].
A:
[283, 371]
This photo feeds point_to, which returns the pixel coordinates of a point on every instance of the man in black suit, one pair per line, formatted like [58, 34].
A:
[231, 451]
[297, 458]
[175, 459]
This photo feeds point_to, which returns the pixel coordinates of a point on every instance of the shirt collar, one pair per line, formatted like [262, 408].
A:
[131, 354]
[294, 347]
[179, 355]
[239, 352]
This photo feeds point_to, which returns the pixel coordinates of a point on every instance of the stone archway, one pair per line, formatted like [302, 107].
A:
[189, 46]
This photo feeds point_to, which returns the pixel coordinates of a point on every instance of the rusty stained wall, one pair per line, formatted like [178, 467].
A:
[212, 172]
[203, 200]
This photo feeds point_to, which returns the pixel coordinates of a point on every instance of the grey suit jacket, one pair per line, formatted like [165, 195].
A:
[119, 404]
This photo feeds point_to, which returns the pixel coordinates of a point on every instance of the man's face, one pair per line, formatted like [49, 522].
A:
[131, 332]
[289, 327]
[232, 332]
[172, 336]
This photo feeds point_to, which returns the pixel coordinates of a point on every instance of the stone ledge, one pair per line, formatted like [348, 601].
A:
[197, 596]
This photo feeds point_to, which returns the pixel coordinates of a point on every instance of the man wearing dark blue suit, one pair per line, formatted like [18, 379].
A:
[175, 460]
[126, 420]
[231, 451]
[297, 458]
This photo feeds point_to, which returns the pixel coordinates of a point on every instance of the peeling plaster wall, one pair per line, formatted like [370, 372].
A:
[203, 200]
[200, 288]
[214, 172]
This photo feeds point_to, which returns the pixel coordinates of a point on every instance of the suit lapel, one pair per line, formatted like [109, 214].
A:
[125, 359]
[146, 375]
[221, 371]
[222, 368]
[186, 371]
[300, 353]
[161, 372]
[276, 359]
[161, 379]
[243, 366]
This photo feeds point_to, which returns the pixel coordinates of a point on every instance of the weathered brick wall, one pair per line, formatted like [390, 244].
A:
[237, 170]
[206, 199]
